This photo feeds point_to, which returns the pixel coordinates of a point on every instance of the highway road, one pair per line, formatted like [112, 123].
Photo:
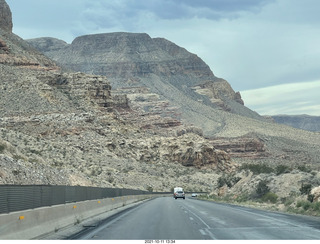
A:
[165, 218]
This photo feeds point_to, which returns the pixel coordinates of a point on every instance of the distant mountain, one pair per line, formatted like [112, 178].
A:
[304, 122]
[137, 60]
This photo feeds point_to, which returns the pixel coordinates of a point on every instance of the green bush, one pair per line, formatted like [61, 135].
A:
[304, 168]
[281, 169]
[269, 197]
[262, 188]
[287, 201]
[229, 180]
[149, 188]
[258, 168]
[310, 197]
[316, 206]
[2, 148]
[305, 189]
[304, 204]
[242, 198]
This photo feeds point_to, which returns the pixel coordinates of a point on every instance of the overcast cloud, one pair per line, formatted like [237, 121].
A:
[266, 49]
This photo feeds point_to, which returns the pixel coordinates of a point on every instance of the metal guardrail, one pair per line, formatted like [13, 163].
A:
[21, 197]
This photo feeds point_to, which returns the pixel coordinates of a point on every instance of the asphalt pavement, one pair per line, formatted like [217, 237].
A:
[165, 218]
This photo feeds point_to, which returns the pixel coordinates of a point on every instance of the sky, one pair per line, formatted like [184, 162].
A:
[266, 49]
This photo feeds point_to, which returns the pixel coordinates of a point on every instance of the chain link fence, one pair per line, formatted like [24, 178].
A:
[21, 197]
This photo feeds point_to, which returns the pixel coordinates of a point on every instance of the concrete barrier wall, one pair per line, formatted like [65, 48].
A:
[30, 224]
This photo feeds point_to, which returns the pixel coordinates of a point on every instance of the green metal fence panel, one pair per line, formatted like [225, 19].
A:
[4, 200]
[21, 197]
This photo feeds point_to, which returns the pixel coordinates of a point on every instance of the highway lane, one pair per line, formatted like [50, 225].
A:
[165, 218]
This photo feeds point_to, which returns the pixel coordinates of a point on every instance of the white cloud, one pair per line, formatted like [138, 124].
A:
[295, 98]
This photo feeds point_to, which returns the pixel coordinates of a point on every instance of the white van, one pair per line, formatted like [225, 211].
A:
[178, 193]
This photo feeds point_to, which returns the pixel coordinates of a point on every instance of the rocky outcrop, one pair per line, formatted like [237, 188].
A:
[4, 49]
[5, 16]
[95, 88]
[190, 150]
[316, 194]
[147, 110]
[284, 185]
[243, 147]
[16, 52]
[218, 92]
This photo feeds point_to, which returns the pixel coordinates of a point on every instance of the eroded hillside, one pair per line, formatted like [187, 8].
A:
[166, 81]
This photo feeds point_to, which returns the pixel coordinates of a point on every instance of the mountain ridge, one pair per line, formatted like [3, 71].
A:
[303, 121]
[136, 59]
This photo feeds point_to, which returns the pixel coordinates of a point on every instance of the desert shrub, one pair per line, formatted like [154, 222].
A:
[221, 181]
[110, 179]
[262, 188]
[2, 148]
[258, 168]
[269, 197]
[316, 206]
[310, 197]
[229, 180]
[304, 168]
[287, 201]
[307, 205]
[242, 198]
[304, 204]
[281, 169]
[305, 189]
[299, 204]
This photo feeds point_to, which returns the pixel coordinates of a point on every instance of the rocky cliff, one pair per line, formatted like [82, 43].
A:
[5, 16]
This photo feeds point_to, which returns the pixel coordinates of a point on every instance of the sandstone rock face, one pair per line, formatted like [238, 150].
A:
[13, 52]
[246, 146]
[316, 193]
[3, 47]
[218, 90]
[147, 110]
[5, 16]
[66, 128]
[16, 52]
[96, 88]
